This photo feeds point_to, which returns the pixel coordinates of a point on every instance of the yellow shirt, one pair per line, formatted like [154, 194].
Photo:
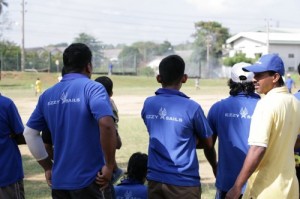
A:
[275, 125]
[38, 86]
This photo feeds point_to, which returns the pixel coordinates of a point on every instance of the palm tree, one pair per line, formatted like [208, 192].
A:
[2, 4]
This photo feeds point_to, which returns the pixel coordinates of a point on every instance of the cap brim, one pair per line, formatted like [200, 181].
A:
[255, 69]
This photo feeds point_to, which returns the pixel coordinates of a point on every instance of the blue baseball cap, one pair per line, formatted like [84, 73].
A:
[268, 62]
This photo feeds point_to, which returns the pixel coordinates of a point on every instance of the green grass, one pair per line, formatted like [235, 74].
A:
[34, 189]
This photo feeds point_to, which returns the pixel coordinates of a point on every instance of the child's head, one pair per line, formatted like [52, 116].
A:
[171, 70]
[137, 166]
[107, 83]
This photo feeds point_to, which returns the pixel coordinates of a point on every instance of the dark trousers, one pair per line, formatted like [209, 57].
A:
[13, 191]
[298, 175]
[157, 190]
[91, 192]
[221, 195]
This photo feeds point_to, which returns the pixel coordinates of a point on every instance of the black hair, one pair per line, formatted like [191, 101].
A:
[107, 83]
[299, 69]
[76, 57]
[171, 69]
[280, 81]
[137, 166]
[245, 87]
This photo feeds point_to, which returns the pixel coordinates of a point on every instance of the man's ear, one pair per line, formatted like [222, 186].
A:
[89, 68]
[158, 78]
[276, 77]
[184, 78]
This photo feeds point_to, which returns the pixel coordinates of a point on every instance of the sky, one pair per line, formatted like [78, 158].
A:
[128, 21]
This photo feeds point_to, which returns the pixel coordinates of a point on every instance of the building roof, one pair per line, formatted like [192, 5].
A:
[274, 37]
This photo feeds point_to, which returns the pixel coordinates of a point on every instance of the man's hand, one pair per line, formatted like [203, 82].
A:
[47, 166]
[104, 177]
[233, 193]
[48, 175]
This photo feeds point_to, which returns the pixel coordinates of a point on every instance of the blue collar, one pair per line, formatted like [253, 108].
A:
[254, 95]
[162, 91]
[71, 76]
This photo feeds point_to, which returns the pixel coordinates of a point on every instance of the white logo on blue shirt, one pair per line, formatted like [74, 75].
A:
[64, 99]
[242, 114]
[162, 115]
[128, 194]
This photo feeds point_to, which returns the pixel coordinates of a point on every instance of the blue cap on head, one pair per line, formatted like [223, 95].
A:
[269, 62]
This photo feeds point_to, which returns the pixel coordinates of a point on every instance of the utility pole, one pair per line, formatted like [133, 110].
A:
[268, 36]
[209, 40]
[23, 38]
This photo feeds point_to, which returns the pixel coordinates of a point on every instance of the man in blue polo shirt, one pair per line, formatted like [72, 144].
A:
[297, 150]
[175, 123]
[78, 114]
[11, 170]
[230, 120]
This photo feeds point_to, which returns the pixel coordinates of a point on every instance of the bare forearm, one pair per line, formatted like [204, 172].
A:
[46, 163]
[211, 156]
[108, 140]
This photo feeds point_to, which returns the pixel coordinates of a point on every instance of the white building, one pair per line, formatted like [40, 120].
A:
[284, 42]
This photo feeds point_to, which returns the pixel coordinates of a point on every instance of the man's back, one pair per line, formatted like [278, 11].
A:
[173, 122]
[10, 159]
[230, 120]
[71, 111]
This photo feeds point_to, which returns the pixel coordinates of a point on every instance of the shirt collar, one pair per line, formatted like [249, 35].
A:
[167, 91]
[71, 76]
[281, 89]
[255, 95]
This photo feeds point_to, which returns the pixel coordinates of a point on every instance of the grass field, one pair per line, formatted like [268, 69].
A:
[129, 95]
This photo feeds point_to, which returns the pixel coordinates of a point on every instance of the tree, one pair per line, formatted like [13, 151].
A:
[238, 57]
[150, 49]
[146, 49]
[165, 48]
[2, 4]
[130, 57]
[94, 45]
[4, 22]
[209, 36]
[9, 56]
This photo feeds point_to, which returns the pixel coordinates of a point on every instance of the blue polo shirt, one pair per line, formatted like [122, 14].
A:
[173, 122]
[71, 109]
[131, 189]
[11, 169]
[230, 120]
[289, 82]
[297, 95]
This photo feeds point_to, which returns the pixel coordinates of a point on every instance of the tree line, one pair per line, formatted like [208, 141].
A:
[207, 47]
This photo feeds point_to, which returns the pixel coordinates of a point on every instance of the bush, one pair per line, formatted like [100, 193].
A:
[146, 71]
[238, 57]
